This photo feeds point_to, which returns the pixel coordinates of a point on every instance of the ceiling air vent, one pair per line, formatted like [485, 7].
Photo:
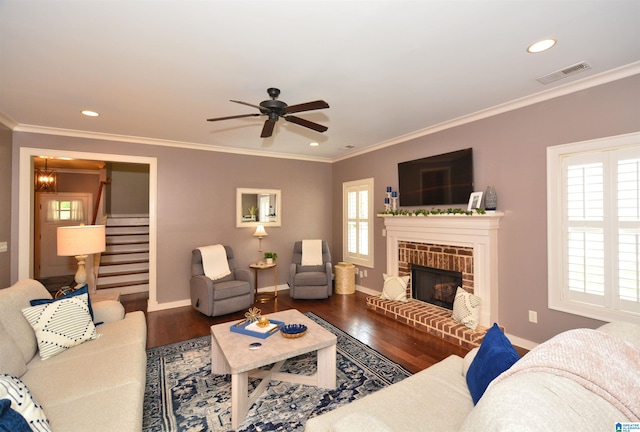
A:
[348, 147]
[563, 73]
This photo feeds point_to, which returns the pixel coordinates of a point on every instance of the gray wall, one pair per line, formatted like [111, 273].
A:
[196, 203]
[128, 193]
[509, 153]
[5, 208]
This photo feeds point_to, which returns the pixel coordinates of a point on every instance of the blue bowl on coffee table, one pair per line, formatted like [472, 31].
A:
[292, 331]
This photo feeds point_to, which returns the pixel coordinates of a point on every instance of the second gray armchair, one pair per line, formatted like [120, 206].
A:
[310, 281]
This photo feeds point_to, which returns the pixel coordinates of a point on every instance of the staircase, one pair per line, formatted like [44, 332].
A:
[124, 266]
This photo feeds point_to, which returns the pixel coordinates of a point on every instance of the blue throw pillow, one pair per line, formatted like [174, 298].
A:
[10, 419]
[496, 355]
[79, 291]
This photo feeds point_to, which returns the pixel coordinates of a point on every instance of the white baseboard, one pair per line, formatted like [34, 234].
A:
[366, 290]
[522, 343]
[155, 306]
[281, 287]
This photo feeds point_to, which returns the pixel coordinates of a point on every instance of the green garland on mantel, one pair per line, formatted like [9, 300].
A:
[423, 212]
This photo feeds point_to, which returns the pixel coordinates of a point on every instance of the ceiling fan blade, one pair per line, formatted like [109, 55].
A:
[234, 117]
[306, 123]
[262, 109]
[308, 106]
[267, 129]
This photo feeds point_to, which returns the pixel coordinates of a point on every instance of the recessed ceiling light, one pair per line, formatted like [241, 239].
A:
[542, 45]
[89, 113]
[314, 144]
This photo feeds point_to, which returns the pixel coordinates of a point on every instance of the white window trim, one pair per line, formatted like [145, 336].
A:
[556, 300]
[368, 262]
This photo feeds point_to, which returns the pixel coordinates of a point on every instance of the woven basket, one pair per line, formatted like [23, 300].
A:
[345, 278]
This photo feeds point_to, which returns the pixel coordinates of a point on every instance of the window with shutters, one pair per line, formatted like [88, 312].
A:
[358, 222]
[594, 228]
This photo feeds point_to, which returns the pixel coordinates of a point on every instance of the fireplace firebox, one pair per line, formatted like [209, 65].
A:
[434, 285]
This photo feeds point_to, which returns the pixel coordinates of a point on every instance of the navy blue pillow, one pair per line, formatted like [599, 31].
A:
[10, 419]
[496, 355]
[79, 291]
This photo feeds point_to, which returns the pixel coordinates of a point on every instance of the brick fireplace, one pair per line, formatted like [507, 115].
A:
[467, 244]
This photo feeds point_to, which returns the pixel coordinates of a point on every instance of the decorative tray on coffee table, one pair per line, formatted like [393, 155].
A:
[253, 329]
[293, 331]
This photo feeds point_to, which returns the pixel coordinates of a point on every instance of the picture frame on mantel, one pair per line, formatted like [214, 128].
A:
[475, 199]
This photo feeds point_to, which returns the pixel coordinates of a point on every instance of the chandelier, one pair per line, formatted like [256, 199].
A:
[46, 179]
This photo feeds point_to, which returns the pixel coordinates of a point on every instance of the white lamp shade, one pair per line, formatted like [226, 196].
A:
[260, 232]
[81, 240]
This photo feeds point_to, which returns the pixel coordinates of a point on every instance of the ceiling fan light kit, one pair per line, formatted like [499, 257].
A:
[275, 109]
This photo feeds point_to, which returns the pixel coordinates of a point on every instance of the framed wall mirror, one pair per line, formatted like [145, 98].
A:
[258, 207]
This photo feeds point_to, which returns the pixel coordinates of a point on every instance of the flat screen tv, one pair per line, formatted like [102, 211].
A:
[436, 180]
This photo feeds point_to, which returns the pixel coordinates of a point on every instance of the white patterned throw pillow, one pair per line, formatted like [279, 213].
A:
[395, 287]
[466, 309]
[23, 402]
[61, 325]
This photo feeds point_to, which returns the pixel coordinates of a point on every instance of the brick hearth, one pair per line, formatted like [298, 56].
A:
[429, 318]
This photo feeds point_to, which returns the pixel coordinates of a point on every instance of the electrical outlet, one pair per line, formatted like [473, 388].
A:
[3, 246]
[533, 317]
[365, 272]
[361, 274]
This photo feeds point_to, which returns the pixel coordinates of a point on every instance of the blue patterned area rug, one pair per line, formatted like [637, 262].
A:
[182, 394]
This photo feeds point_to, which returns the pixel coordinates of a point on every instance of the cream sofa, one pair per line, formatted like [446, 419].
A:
[535, 394]
[96, 386]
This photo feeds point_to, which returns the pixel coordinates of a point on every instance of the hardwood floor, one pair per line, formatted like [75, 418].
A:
[413, 349]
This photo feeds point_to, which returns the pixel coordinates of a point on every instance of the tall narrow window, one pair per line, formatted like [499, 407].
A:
[358, 222]
[594, 228]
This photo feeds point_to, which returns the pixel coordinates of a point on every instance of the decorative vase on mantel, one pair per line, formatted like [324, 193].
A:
[490, 199]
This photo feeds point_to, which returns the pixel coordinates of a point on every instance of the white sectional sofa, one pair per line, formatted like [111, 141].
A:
[586, 380]
[95, 386]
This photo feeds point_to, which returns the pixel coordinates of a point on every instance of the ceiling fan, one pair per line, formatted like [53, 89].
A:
[276, 109]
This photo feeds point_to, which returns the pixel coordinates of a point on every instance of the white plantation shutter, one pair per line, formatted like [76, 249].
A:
[358, 218]
[352, 223]
[594, 229]
[628, 232]
[584, 211]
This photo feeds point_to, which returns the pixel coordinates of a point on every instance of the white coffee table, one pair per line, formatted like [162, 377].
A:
[230, 354]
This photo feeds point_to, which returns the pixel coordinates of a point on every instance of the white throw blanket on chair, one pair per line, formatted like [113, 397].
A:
[214, 261]
[311, 252]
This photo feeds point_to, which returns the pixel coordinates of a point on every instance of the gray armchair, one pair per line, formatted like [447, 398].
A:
[310, 282]
[229, 294]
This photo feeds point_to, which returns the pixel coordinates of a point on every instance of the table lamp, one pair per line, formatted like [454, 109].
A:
[80, 241]
[260, 232]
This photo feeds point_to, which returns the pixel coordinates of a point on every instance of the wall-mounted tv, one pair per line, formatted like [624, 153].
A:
[437, 180]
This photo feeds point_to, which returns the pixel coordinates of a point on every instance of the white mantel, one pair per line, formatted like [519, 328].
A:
[479, 232]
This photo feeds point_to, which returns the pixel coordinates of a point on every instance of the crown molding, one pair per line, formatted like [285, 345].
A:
[45, 130]
[8, 121]
[585, 83]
